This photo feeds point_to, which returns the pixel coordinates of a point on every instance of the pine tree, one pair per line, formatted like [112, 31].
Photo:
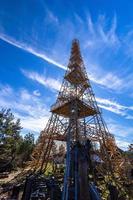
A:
[24, 149]
[9, 137]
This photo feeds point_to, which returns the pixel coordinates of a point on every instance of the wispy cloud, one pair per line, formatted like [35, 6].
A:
[97, 39]
[106, 104]
[37, 93]
[128, 44]
[110, 80]
[119, 130]
[35, 124]
[100, 35]
[107, 80]
[115, 107]
[55, 84]
[32, 112]
[51, 17]
[6, 90]
[123, 134]
[45, 81]
[29, 49]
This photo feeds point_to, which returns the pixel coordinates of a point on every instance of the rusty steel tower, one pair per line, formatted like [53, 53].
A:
[76, 120]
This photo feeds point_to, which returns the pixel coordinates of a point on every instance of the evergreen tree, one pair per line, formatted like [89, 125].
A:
[9, 138]
[25, 148]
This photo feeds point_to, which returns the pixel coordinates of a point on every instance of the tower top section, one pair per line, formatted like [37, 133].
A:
[75, 94]
[75, 57]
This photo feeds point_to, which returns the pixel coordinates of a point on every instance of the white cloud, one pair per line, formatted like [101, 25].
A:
[122, 144]
[122, 133]
[106, 104]
[110, 103]
[115, 107]
[45, 81]
[111, 106]
[35, 123]
[108, 80]
[99, 36]
[112, 109]
[6, 90]
[31, 110]
[119, 130]
[96, 41]
[36, 93]
[25, 95]
[34, 113]
[30, 49]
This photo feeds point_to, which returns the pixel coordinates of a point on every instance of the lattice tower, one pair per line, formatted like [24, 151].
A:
[75, 116]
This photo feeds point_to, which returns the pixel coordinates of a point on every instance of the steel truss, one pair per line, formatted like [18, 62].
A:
[75, 119]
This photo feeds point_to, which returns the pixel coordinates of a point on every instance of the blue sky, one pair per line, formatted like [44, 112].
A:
[35, 42]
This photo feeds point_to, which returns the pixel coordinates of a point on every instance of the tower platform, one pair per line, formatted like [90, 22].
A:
[64, 108]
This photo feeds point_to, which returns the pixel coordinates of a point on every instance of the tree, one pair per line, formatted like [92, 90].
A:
[25, 148]
[9, 138]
